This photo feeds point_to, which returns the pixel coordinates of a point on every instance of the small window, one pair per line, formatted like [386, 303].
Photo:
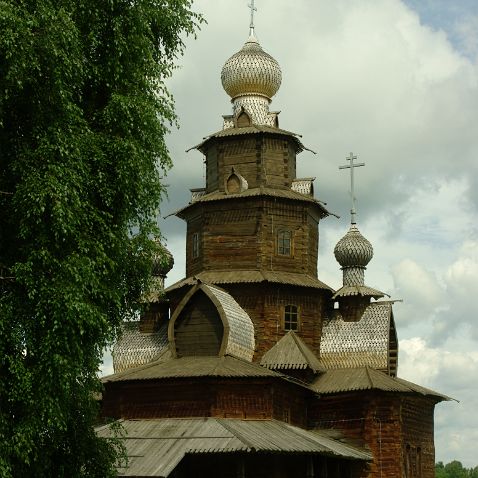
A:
[291, 317]
[195, 245]
[284, 243]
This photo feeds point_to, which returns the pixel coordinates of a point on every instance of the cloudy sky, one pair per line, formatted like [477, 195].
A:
[396, 82]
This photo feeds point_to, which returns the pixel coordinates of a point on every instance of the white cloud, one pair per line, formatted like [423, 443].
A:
[453, 373]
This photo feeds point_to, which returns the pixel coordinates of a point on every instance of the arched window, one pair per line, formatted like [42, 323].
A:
[284, 243]
[291, 318]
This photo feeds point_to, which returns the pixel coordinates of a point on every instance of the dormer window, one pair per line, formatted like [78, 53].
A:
[243, 120]
[291, 318]
[195, 245]
[284, 243]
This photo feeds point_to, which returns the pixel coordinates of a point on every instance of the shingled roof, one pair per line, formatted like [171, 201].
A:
[187, 367]
[252, 129]
[156, 447]
[135, 348]
[362, 290]
[251, 276]
[367, 378]
[255, 192]
[291, 352]
[358, 344]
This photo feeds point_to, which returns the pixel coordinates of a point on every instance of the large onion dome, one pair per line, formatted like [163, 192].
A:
[251, 71]
[353, 250]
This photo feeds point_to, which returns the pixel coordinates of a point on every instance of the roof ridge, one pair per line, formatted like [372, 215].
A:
[235, 433]
[370, 380]
[305, 350]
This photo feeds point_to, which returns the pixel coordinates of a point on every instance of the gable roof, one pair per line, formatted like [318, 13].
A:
[367, 378]
[358, 344]
[238, 334]
[156, 447]
[291, 352]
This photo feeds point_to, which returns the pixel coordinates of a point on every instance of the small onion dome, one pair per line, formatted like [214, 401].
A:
[353, 250]
[251, 71]
[163, 260]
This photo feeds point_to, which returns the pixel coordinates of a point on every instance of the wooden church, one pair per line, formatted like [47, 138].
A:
[251, 366]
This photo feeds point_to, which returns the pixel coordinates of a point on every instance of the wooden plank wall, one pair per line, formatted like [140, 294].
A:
[224, 398]
[242, 234]
[265, 303]
[261, 159]
[391, 424]
[418, 436]
[198, 329]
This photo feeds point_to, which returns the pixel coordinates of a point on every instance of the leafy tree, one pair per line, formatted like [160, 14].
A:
[83, 115]
[454, 469]
[440, 470]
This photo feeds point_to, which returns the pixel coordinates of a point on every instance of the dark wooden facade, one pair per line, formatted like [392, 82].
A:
[243, 234]
[266, 160]
[221, 398]
[397, 428]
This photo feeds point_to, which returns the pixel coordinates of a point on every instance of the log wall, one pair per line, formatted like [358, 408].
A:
[397, 428]
[265, 304]
[222, 398]
[242, 234]
[199, 328]
[263, 160]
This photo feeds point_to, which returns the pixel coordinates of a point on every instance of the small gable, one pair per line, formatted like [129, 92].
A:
[291, 352]
[198, 329]
[243, 120]
[209, 322]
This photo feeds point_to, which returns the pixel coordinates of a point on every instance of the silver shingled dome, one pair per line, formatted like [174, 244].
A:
[353, 250]
[251, 71]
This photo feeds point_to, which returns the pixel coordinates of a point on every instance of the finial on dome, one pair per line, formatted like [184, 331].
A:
[251, 25]
[353, 252]
[352, 166]
[251, 77]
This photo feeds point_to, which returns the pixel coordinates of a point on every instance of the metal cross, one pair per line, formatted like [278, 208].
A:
[352, 166]
[253, 9]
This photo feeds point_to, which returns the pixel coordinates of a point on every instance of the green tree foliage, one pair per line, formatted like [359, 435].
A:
[454, 469]
[83, 115]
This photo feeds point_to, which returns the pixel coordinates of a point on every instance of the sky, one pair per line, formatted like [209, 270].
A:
[396, 83]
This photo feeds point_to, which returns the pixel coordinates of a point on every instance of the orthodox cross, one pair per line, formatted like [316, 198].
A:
[253, 9]
[352, 166]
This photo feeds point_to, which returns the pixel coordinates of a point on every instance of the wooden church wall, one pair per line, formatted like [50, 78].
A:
[264, 303]
[260, 398]
[418, 437]
[392, 425]
[243, 234]
[261, 159]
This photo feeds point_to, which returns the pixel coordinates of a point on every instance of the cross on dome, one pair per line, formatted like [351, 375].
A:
[251, 25]
[352, 166]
